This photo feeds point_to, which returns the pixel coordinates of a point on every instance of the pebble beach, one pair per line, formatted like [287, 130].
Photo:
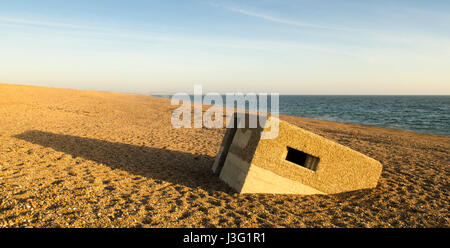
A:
[72, 158]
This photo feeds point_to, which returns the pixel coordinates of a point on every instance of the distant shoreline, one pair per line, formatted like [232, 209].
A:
[398, 119]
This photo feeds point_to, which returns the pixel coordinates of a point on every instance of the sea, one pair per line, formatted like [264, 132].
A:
[423, 114]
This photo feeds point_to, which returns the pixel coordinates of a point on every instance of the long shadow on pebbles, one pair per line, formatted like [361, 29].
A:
[159, 164]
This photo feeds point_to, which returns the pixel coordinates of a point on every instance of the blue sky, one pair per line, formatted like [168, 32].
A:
[289, 47]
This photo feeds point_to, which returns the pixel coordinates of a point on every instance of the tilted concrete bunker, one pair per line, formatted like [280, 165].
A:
[295, 162]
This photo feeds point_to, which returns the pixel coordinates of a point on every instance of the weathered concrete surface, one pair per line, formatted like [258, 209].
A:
[254, 165]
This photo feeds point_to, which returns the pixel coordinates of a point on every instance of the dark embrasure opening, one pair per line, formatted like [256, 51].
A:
[303, 159]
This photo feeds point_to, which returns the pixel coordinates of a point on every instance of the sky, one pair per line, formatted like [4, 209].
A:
[349, 47]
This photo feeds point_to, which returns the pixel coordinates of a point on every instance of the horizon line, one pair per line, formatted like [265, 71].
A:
[149, 93]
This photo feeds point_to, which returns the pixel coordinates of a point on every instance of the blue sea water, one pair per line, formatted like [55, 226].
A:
[424, 114]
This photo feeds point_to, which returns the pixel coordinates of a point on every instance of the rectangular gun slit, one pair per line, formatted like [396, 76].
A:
[303, 159]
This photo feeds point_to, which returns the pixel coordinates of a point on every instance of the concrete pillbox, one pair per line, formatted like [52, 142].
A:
[295, 162]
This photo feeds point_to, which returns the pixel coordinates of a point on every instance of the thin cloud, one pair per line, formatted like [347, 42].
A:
[39, 23]
[374, 35]
[285, 21]
[167, 38]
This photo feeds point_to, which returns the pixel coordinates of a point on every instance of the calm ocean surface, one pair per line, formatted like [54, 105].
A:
[425, 114]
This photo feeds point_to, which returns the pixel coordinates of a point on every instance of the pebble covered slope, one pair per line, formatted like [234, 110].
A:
[73, 158]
